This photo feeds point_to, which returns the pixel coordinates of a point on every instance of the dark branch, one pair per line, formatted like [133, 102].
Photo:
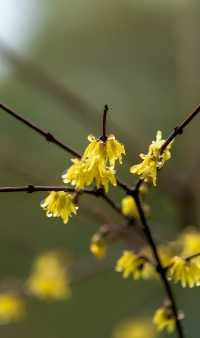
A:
[147, 232]
[179, 129]
[48, 136]
[38, 188]
[105, 112]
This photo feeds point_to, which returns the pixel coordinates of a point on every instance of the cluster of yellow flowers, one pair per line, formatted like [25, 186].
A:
[164, 319]
[59, 204]
[185, 268]
[135, 265]
[96, 165]
[49, 278]
[152, 161]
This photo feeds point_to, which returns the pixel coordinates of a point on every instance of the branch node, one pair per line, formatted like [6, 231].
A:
[178, 130]
[30, 189]
[49, 137]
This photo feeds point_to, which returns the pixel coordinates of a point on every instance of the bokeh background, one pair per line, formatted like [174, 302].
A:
[60, 62]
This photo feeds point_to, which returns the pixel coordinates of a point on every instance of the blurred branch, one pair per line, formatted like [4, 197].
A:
[147, 232]
[178, 130]
[37, 76]
[47, 135]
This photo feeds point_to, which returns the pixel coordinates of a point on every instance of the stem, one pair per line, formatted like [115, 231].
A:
[113, 205]
[47, 135]
[35, 188]
[105, 112]
[30, 188]
[179, 129]
[161, 270]
[189, 258]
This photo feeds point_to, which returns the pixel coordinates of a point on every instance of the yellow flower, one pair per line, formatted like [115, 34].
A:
[98, 248]
[190, 243]
[49, 278]
[59, 204]
[108, 151]
[137, 266]
[12, 307]
[96, 165]
[84, 172]
[164, 319]
[141, 328]
[186, 272]
[152, 161]
[129, 207]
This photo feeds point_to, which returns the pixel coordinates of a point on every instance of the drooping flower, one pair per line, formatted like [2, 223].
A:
[12, 307]
[107, 152]
[141, 328]
[59, 204]
[152, 161]
[97, 165]
[183, 271]
[98, 248]
[49, 278]
[164, 319]
[135, 265]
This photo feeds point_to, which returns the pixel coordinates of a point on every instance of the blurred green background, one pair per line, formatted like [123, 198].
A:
[60, 62]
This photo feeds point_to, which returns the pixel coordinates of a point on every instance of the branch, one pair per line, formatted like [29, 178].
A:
[178, 130]
[147, 232]
[48, 136]
[104, 136]
[30, 188]
[38, 188]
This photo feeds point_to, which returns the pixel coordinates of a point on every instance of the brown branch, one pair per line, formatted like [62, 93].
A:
[189, 258]
[178, 130]
[30, 188]
[147, 232]
[105, 112]
[47, 135]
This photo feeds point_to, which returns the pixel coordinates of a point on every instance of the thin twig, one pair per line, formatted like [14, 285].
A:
[178, 130]
[147, 232]
[30, 188]
[105, 112]
[47, 135]
[113, 205]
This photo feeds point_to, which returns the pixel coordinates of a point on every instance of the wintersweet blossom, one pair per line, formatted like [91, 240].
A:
[183, 271]
[164, 319]
[82, 173]
[97, 165]
[107, 152]
[153, 160]
[59, 204]
[135, 265]
[49, 278]
[12, 307]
